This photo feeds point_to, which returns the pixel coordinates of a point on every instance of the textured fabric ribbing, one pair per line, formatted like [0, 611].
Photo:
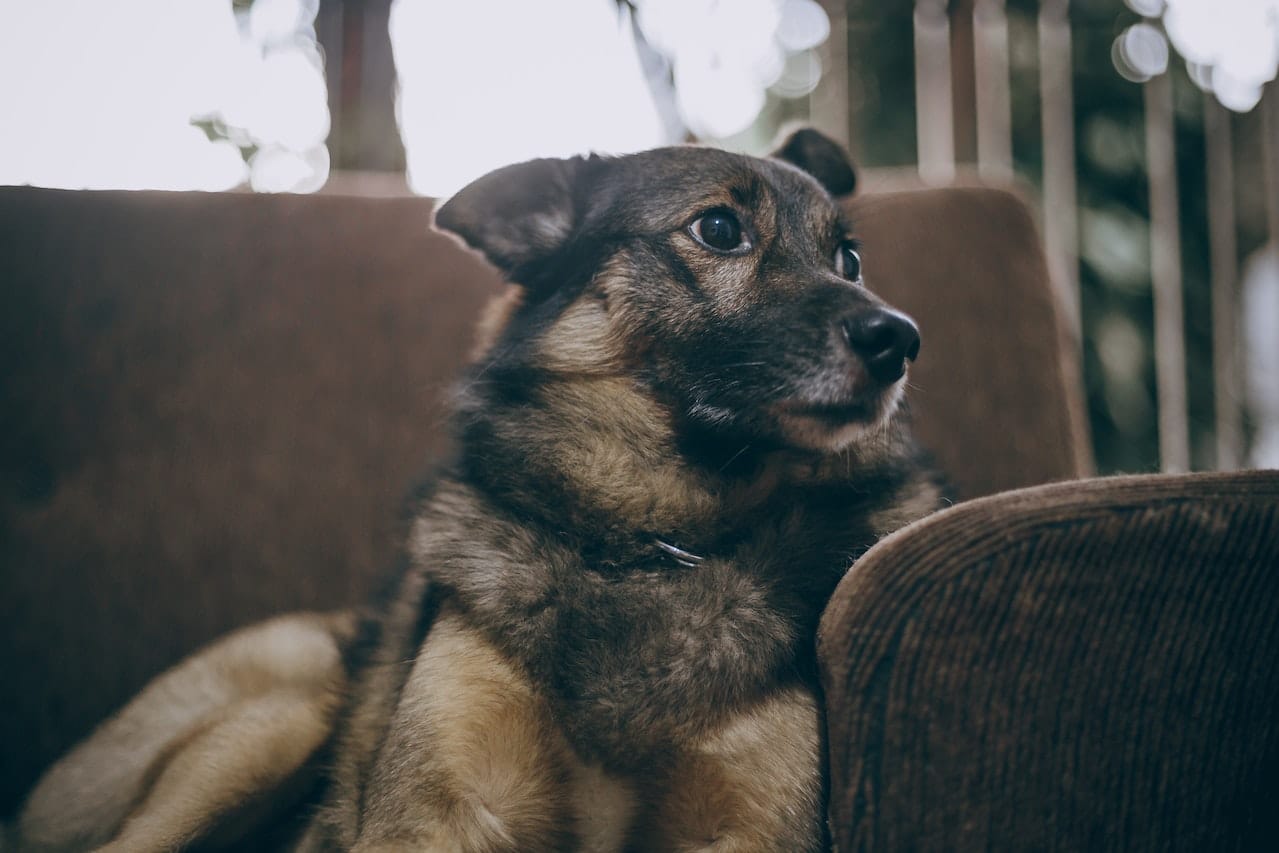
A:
[1081, 666]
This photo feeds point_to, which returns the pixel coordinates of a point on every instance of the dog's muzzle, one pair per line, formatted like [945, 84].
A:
[884, 339]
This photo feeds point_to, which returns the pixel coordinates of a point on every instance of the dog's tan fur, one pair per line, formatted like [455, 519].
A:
[745, 785]
[545, 676]
[471, 735]
[212, 743]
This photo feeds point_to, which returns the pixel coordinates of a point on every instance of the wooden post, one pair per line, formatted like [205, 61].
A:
[994, 106]
[1165, 268]
[380, 146]
[934, 117]
[1270, 158]
[829, 102]
[329, 25]
[963, 79]
[1225, 282]
[1263, 403]
[360, 71]
[1056, 94]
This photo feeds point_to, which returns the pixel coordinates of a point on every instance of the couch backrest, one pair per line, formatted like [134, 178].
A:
[996, 390]
[211, 407]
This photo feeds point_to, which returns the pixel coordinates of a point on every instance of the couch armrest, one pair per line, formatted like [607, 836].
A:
[1090, 664]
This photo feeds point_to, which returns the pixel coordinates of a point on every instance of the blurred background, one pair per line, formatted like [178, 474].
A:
[1145, 133]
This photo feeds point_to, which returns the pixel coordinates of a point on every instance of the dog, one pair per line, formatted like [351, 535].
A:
[683, 425]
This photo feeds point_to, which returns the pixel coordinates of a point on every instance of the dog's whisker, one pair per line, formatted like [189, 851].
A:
[733, 459]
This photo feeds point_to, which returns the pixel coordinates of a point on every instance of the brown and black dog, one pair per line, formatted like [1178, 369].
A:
[683, 426]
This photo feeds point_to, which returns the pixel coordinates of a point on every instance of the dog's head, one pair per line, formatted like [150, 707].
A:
[728, 287]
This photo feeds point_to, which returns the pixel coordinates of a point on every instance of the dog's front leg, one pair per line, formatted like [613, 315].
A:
[472, 760]
[751, 786]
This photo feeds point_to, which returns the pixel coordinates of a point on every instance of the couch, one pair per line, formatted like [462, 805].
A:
[211, 407]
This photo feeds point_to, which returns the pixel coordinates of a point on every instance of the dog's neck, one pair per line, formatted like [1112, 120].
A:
[600, 460]
[595, 452]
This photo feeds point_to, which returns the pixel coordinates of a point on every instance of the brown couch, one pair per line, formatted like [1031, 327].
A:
[211, 405]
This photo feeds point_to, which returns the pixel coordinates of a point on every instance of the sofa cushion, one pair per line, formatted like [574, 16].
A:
[213, 407]
[1082, 666]
[996, 391]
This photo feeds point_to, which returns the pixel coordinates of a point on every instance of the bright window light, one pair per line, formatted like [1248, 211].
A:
[1233, 43]
[490, 82]
[726, 56]
[102, 94]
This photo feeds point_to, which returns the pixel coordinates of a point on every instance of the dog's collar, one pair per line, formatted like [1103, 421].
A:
[684, 558]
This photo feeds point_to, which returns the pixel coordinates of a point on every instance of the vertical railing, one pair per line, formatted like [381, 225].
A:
[829, 105]
[934, 117]
[1270, 175]
[938, 123]
[993, 98]
[1270, 161]
[1224, 264]
[1057, 122]
[1165, 273]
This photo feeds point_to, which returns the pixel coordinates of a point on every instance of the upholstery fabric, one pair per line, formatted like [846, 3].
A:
[213, 404]
[994, 391]
[1089, 665]
[213, 408]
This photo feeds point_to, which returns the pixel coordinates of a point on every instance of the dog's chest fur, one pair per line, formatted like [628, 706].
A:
[636, 650]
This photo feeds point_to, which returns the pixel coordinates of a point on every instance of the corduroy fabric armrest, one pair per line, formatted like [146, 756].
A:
[1092, 664]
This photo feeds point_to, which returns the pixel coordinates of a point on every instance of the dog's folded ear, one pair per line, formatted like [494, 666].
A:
[516, 215]
[821, 157]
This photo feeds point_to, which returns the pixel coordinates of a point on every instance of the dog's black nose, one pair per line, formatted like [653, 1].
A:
[884, 339]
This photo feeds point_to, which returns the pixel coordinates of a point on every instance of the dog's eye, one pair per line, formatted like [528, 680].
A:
[848, 263]
[719, 230]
